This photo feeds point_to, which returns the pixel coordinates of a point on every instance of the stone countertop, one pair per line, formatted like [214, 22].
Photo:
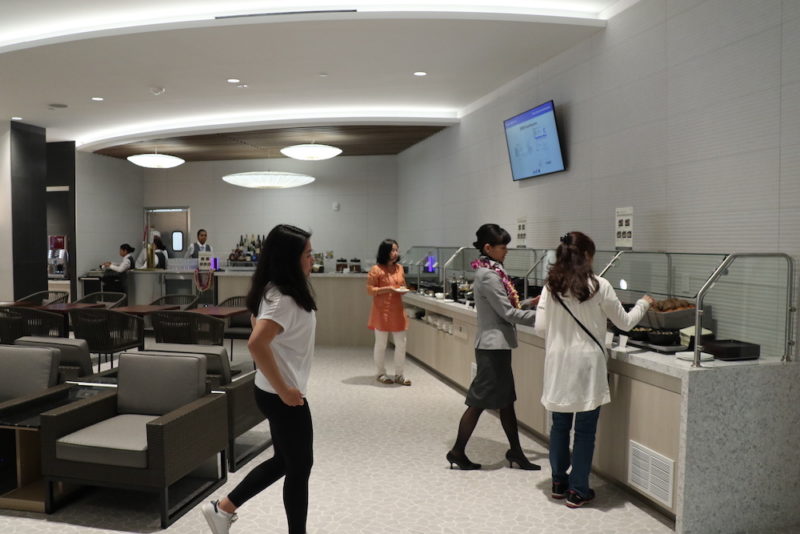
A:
[667, 364]
[313, 275]
[161, 271]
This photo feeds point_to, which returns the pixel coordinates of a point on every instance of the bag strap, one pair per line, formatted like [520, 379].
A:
[578, 321]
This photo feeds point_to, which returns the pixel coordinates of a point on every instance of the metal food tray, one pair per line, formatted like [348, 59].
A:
[669, 320]
[664, 349]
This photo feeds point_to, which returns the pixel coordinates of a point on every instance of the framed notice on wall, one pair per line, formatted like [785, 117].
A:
[623, 228]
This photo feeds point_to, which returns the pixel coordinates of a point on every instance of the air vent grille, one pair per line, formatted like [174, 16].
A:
[651, 473]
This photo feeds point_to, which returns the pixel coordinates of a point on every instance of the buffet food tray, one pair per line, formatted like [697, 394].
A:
[663, 349]
[669, 320]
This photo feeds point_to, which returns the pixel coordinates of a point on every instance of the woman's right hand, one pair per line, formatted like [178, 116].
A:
[292, 397]
[650, 300]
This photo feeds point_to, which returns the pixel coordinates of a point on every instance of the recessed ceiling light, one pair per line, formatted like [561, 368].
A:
[323, 74]
[16, 118]
[233, 80]
[420, 73]
[97, 99]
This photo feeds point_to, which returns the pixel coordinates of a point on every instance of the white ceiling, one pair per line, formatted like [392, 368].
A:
[65, 52]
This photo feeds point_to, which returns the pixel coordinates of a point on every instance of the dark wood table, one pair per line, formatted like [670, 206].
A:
[145, 309]
[64, 307]
[221, 312]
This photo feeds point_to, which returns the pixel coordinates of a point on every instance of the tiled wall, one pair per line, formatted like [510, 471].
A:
[365, 189]
[108, 200]
[689, 111]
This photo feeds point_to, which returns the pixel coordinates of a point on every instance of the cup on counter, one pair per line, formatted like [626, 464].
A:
[623, 341]
[439, 296]
[609, 339]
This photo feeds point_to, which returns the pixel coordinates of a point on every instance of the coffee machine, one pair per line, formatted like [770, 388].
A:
[57, 264]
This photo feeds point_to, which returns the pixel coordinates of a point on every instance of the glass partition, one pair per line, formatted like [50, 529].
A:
[425, 264]
[661, 274]
[752, 302]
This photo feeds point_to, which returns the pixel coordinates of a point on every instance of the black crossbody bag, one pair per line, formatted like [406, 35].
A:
[602, 349]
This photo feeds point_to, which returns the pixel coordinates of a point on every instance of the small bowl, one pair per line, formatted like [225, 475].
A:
[439, 296]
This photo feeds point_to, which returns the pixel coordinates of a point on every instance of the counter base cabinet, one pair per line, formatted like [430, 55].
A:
[646, 414]
[444, 353]
[528, 363]
[343, 308]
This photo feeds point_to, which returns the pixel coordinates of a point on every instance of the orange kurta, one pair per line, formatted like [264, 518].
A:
[387, 308]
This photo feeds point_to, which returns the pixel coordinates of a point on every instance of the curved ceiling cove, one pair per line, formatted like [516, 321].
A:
[132, 71]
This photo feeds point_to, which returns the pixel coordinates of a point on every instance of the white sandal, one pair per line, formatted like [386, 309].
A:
[403, 381]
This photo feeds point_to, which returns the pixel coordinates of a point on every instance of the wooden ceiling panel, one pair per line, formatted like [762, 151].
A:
[366, 140]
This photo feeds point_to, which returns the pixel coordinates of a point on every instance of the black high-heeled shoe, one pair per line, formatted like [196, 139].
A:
[463, 463]
[521, 461]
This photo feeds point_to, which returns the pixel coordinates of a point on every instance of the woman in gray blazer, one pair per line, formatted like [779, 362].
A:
[499, 309]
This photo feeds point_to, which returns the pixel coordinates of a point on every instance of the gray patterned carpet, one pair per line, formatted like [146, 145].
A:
[380, 467]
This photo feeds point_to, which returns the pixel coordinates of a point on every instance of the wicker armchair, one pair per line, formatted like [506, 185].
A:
[107, 332]
[187, 328]
[239, 326]
[151, 434]
[16, 322]
[186, 302]
[111, 299]
[43, 298]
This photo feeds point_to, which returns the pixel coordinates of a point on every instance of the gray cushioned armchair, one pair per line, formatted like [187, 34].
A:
[74, 361]
[152, 434]
[243, 412]
[27, 373]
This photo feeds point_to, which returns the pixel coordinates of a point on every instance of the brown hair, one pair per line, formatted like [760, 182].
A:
[572, 272]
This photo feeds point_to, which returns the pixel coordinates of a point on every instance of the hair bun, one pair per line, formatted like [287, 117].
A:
[566, 239]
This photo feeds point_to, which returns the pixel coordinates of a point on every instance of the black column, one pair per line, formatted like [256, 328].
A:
[29, 208]
[61, 172]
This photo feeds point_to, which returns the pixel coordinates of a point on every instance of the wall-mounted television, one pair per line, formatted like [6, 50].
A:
[534, 148]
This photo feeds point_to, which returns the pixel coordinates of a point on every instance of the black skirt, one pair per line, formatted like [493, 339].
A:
[493, 385]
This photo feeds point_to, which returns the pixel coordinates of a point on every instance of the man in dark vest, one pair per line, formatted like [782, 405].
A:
[198, 246]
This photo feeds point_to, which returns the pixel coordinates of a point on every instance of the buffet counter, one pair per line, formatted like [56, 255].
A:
[701, 444]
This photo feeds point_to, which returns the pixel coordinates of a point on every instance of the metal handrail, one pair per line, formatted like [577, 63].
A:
[611, 263]
[533, 267]
[721, 269]
[446, 264]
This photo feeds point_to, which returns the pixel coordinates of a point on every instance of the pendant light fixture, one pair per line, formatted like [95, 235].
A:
[311, 152]
[156, 160]
[268, 179]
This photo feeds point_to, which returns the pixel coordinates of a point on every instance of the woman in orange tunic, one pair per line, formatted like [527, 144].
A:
[386, 283]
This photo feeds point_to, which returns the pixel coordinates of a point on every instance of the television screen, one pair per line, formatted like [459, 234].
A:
[533, 145]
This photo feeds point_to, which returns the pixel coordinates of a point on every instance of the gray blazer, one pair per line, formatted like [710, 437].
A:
[496, 315]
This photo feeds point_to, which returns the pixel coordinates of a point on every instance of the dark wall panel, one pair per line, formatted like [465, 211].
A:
[29, 208]
[61, 172]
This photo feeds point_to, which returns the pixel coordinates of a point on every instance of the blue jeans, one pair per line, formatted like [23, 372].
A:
[582, 449]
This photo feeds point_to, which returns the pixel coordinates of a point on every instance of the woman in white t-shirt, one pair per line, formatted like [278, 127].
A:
[571, 316]
[281, 345]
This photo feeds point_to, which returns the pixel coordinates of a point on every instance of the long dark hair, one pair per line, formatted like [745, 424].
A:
[490, 234]
[385, 252]
[159, 244]
[280, 264]
[572, 272]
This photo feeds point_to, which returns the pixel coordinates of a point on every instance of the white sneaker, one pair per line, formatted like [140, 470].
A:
[219, 521]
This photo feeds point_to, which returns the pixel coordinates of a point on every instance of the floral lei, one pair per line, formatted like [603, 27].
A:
[492, 265]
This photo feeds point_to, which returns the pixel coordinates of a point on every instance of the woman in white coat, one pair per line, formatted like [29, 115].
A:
[571, 316]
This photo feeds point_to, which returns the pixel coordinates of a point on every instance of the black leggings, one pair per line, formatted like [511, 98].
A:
[292, 439]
